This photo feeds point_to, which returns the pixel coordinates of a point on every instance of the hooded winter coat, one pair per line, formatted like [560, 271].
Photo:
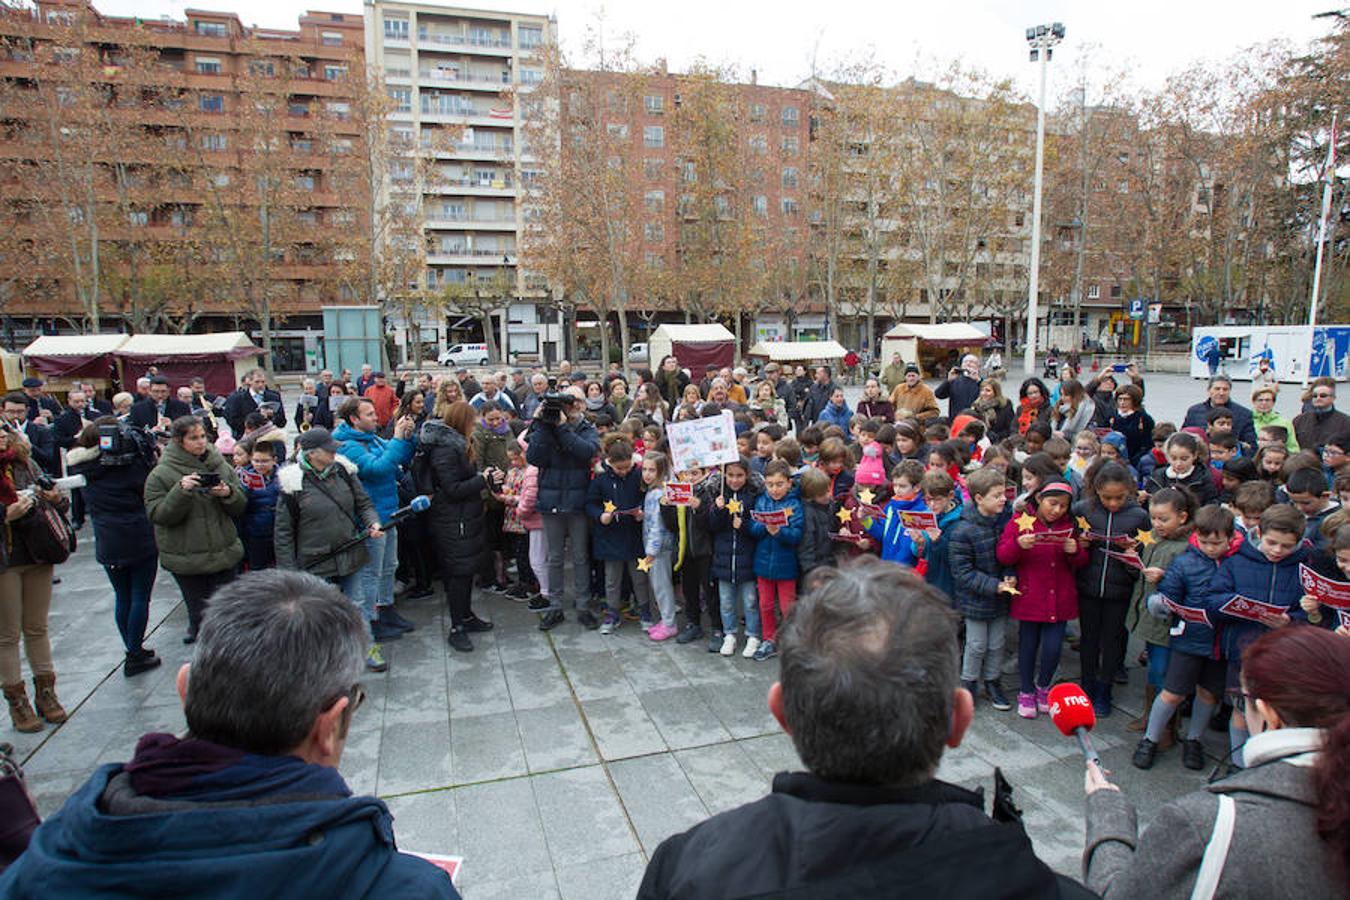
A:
[1047, 588]
[972, 552]
[115, 499]
[195, 531]
[776, 554]
[457, 490]
[1104, 577]
[622, 538]
[896, 545]
[489, 450]
[378, 464]
[839, 415]
[1186, 583]
[563, 455]
[1198, 481]
[316, 513]
[733, 548]
[1248, 572]
[1150, 628]
[936, 553]
[816, 548]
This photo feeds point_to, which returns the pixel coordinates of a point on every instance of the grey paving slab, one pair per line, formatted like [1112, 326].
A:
[616, 878]
[683, 718]
[500, 831]
[485, 747]
[658, 797]
[773, 753]
[427, 822]
[542, 885]
[582, 816]
[596, 676]
[414, 757]
[555, 737]
[622, 727]
[724, 775]
[536, 682]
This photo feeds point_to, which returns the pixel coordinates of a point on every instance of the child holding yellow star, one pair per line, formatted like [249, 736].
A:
[870, 488]
[981, 585]
[896, 543]
[733, 492]
[613, 504]
[1114, 526]
[658, 544]
[816, 548]
[776, 552]
[941, 495]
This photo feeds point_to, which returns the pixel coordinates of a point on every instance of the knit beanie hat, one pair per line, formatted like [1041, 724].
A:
[870, 469]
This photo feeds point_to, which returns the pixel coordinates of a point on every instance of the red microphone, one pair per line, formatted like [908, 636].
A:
[1071, 711]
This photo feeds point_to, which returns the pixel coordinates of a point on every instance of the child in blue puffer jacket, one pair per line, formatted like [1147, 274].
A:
[776, 552]
[260, 486]
[896, 544]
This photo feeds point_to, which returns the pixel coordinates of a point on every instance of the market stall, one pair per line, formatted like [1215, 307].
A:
[932, 346]
[695, 346]
[60, 359]
[794, 352]
[221, 359]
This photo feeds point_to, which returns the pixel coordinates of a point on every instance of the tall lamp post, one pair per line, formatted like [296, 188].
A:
[1042, 40]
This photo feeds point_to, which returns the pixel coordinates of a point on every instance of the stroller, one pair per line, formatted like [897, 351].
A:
[1051, 367]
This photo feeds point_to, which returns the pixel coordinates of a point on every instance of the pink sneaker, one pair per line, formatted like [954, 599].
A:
[661, 632]
[1026, 706]
[1042, 699]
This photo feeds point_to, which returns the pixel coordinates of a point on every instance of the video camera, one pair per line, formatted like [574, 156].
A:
[553, 406]
[123, 443]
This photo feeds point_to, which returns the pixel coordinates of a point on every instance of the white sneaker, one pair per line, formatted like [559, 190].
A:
[751, 645]
[729, 645]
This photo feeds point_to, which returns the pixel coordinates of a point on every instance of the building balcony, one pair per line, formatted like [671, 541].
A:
[467, 81]
[465, 256]
[458, 43]
[440, 223]
[477, 118]
[469, 151]
[465, 187]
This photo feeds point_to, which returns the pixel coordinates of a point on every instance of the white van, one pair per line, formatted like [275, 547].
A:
[465, 355]
[637, 353]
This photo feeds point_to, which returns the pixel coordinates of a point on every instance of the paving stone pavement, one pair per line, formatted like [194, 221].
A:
[554, 763]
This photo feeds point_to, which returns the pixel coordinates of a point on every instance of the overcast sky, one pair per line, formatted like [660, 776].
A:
[780, 38]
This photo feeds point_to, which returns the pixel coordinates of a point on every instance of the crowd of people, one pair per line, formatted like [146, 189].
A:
[1066, 516]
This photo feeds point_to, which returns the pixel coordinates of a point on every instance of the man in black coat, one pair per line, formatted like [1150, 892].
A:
[40, 441]
[150, 412]
[1221, 394]
[962, 387]
[97, 405]
[39, 401]
[248, 398]
[870, 693]
[818, 395]
[562, 449]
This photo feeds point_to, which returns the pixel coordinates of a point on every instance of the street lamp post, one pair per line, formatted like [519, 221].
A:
[1042, 39]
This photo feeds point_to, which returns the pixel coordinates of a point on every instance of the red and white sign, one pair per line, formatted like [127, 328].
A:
[777, 517]
[920, 519]
[679, 493]
[1129, 559]
[1186, 613]
[1054, 537]
[1241, 607]
[1324, 590]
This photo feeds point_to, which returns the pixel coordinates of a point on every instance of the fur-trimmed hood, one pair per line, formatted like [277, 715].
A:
[78, 455]
[292, 478]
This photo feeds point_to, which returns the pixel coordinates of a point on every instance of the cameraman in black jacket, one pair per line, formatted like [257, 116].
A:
[561, 445]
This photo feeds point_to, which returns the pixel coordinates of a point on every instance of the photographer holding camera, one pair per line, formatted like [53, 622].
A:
[562, 444]
[193, 497]
[115, 461]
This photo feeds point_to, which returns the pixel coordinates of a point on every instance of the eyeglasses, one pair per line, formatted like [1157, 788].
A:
[356, 695]
[1323, 395]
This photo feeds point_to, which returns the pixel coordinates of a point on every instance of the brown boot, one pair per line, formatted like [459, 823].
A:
[44, 698]
[20, 711]
[1141, 724]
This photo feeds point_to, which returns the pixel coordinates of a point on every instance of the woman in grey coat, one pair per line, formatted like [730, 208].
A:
[1278, 828]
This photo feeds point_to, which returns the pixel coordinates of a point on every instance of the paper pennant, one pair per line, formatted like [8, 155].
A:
[645, 564]
[609, 506]
[1144, 537]
[867, 496]
[1026, 522]
[733, 506]
[845, 516]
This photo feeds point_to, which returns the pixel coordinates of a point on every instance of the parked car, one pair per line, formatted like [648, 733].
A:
[637, 352]
[465, 355]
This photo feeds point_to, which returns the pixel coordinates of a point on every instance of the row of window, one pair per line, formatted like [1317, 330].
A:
[655, 105]
[215, 103]
[211, 65]
[220, 30]
[531, 36]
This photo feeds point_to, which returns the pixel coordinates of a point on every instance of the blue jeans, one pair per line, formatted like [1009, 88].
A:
[1048, 638]
[1157, 664]
[730, 593]
[131, 587]
[377, 575]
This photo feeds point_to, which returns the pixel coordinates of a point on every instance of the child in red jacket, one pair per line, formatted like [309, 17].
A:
[1045, 551]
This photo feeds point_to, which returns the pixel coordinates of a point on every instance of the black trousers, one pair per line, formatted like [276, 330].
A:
[414, 557]
[1101, 648]
[197, 591]
[459, 597]
[698, 593]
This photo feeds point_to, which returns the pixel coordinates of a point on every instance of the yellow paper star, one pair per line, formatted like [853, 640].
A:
[1144, 537]
[733, 506]
[1084, 524]
[1012, 590]
[845, 516]
[866, 496]
[1026, 522]
[787, 511]
[609, 506]
[645, 564]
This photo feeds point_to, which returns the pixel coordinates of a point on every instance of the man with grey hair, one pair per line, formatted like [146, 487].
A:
[249, 802]
[1220, 392]
[538, 388]
[869, 692]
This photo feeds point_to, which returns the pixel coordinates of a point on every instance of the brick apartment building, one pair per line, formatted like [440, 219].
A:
[159, 134]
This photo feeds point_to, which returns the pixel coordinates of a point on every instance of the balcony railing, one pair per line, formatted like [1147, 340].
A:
[462, 40]
[461, 78]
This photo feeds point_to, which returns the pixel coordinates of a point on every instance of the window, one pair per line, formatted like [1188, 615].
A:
[530, 36]
[304, 182]
[402, 98]
[758, 112]
[302, 145]
[759, 144]
[209, 29]
[790, 116]
[331, 38]
[60, 17]
[262, 68]
[219, 179]
[208, 65]
[211, 103]
[1123, 187]
[654, 260]
[528, 76]
[213, 142]
[307, 217]
[617, 130]
[690, 173]
[654, 201]
[790, 207]
[1094, 291]
[299, 110]
[396, 29]
[654, 104]
[789, 177]
[453, 212]
[654, 232]
[760, 205]
[334, 73]
[651, 168]
[338, 110]
[1115, 292]
[791, 144]
[653, 136]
